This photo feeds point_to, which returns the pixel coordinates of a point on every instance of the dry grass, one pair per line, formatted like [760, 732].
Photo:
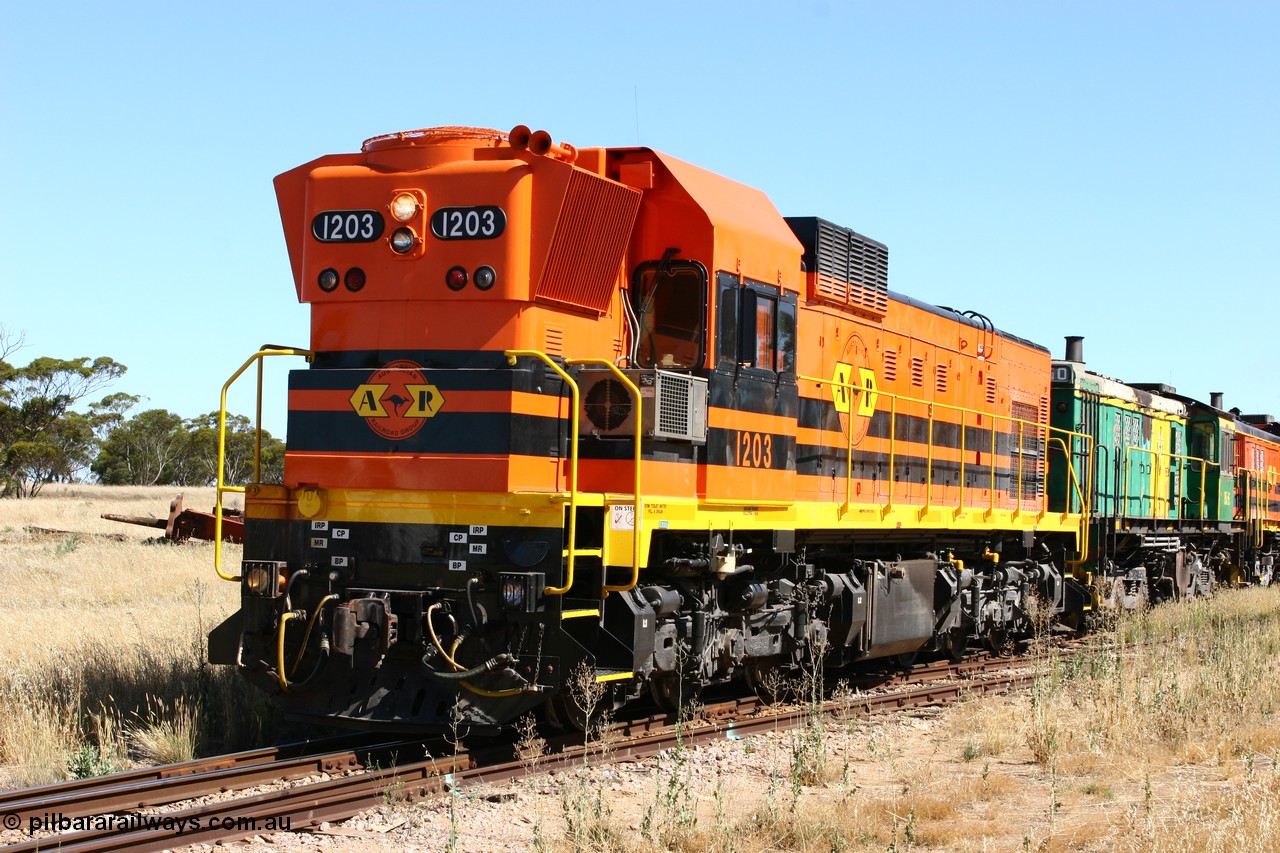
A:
[102, 642]
[1162, 737]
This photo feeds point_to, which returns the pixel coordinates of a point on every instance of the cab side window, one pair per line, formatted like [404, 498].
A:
[670, 302]
[756, 326]
[727, 320]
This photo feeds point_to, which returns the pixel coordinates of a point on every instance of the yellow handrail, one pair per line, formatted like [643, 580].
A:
[1082, 535]
[928, 468]
[223, 488]
[512, 356]
[1156, 454]
[1253, 504]
[932, 406]
[637, 502]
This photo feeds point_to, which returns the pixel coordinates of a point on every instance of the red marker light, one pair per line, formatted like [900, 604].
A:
[456, 278]
[354, 279]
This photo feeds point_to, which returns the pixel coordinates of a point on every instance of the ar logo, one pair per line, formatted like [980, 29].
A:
[853, 389]
[397, 400]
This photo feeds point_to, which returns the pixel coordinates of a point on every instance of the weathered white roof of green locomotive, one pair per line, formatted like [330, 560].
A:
[1114, 389]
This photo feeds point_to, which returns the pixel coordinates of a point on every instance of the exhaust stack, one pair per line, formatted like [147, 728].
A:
[1075, 348]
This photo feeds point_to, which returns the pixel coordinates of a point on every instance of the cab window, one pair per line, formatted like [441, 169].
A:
[756, 327]
[670, 301]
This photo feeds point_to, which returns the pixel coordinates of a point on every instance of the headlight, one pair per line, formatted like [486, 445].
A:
[485, 277]
[258, 580]
[263, 577]
[403, 240]
[328, 280]
[404, 207]
[513, 592]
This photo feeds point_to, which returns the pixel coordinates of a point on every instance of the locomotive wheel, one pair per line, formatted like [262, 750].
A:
[766, 678]
[673, 693]
[906, 660]
[955, 643]
[565, 712]
[998, 640]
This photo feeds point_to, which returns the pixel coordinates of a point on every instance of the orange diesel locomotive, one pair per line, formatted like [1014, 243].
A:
[603, 414]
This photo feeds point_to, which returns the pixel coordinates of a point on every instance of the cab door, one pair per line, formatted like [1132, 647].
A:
[751, 443]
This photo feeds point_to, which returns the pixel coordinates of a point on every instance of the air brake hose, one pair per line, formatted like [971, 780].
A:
[461, 675]
[322, 655]
[311, 623]
[288, 586]
[488, 666]
[280, 673]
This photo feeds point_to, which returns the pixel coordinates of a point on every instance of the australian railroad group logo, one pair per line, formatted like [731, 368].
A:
[397, 400]
[853, 389]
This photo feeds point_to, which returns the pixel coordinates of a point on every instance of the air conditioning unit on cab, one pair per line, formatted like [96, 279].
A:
[674, 405]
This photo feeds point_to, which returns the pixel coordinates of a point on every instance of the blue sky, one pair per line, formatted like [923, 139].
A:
[1104, 169]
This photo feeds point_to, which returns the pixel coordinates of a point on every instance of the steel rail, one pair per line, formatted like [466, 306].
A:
[156, 786]
[341, 798]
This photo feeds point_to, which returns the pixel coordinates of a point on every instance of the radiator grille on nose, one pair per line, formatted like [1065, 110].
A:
[591, 235]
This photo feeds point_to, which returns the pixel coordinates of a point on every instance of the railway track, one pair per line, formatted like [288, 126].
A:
[157, 808]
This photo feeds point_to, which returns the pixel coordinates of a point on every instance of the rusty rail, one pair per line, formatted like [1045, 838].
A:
[341, 798]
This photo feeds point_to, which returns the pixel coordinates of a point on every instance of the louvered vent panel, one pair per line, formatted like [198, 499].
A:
[555, 340]
[940, 377]
[991, 389]
[590, 238]
[917, 372]
[890, 365]
[849, 269]
[1027, 455]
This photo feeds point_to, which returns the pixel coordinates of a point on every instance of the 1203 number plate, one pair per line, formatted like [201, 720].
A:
[347, 226]
[483, 222]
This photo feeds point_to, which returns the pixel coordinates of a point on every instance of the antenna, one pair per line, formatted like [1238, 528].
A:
[636, 94]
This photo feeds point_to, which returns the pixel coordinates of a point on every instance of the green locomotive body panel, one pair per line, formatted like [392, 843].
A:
[1143, 471]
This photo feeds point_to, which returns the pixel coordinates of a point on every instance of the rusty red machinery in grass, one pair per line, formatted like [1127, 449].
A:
[600, 416]
[182, 524]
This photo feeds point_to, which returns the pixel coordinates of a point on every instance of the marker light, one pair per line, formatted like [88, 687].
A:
[485, 277]
[456, 278]
[354, 279]
[403, 240]
[328, 280]
[404, 207]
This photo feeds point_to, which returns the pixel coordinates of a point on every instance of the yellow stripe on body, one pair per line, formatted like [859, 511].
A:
[546, 510]
[538, 510]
